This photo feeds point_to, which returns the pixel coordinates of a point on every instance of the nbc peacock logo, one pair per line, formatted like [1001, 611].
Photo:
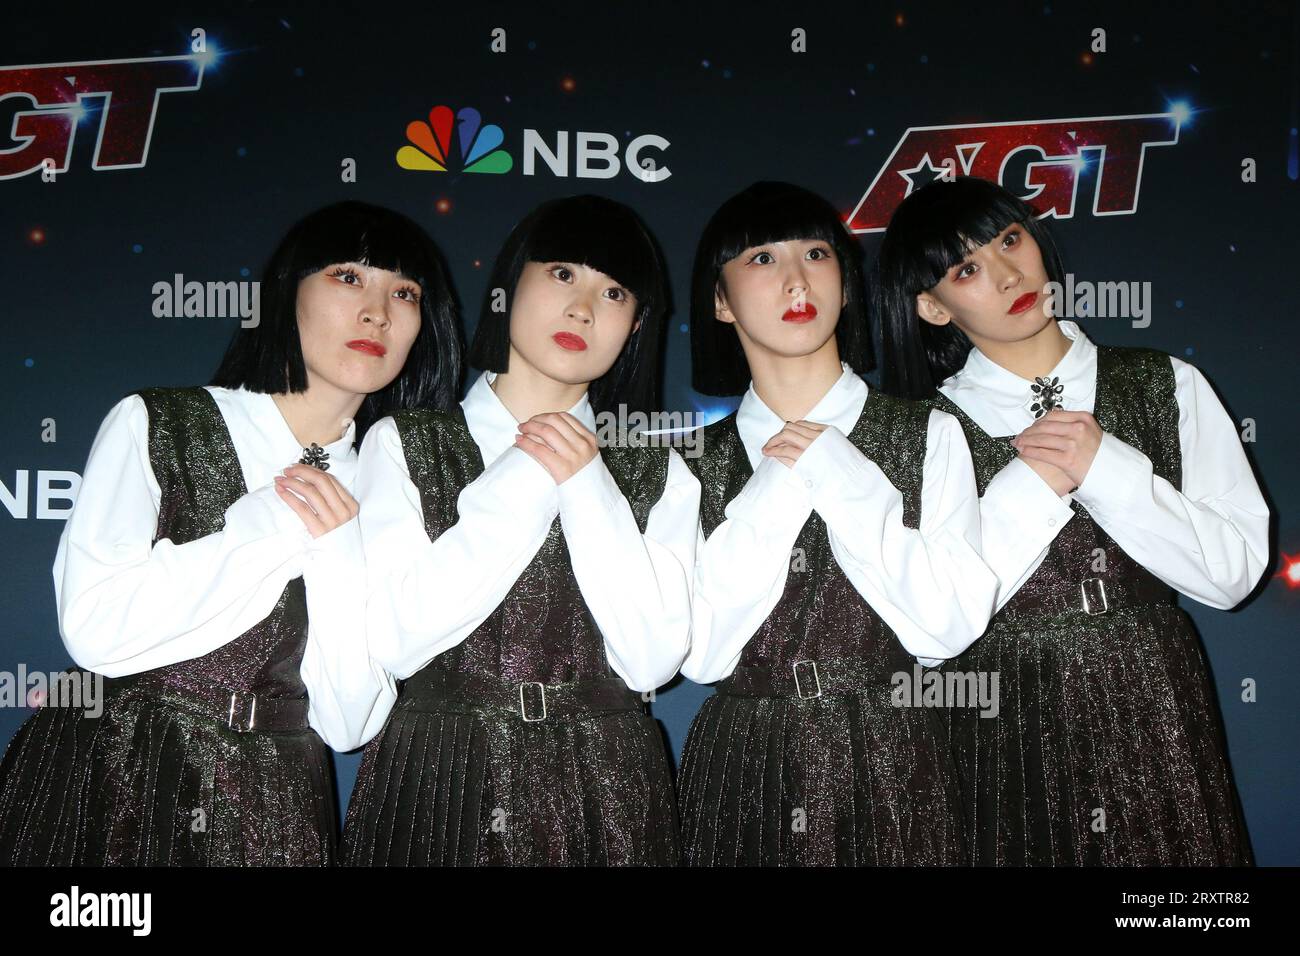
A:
[429, 146]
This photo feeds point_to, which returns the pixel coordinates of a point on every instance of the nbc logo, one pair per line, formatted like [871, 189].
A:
[596, 154]
[430, 143]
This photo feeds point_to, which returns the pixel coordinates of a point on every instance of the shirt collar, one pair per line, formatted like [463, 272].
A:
[492, 426]
[841, 406]
[999, 400]
[265, 416]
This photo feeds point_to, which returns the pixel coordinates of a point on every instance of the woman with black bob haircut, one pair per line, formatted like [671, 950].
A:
[210, 576]
[763, 213]
[530, 582]
[839, 546]
[1108, 477]
[611, 239]
[268, 357]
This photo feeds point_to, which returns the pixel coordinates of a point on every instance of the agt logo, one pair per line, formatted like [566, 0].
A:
[1060, 150]
[596, 155]
[55, 92]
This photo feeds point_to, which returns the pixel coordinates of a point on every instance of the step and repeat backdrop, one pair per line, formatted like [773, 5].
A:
[149, 161]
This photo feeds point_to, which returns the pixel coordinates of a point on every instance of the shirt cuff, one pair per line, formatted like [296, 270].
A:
[521, 486]
[829, 464]
[1116, 474]
[590, 489]
[773, 496]
[262, 513]
[1029, 502]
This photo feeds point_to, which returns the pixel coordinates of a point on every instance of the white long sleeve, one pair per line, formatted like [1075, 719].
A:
[637, 587]
[1020, 517]
[741, 568]
[929, 584]
[1209, 540]
[425, 596]
[349, 694]
[125, 606]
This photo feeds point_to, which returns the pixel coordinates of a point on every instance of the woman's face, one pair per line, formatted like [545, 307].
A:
[784, 297]
[996, 294]
[357, 325]
[569, 321]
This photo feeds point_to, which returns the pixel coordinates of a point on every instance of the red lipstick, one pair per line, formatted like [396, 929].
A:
[807, 315]
[369, 346]
[1023, 304]
[567, 340]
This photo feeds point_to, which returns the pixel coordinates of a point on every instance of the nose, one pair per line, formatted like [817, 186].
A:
[1009, 276]
[376, 317]
[580, 310]
[796, 282]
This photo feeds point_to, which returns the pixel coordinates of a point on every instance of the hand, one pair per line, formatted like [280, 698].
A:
[1068, 440]
[559, 443]
[317, 497]
[792, 441]
[1057, 480]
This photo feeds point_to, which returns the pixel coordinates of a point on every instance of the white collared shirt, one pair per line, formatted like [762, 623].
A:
[1208, 540]
[428, 596]
[929, 584]
[126, 605]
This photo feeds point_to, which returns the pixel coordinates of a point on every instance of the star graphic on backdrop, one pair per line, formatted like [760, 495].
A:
[921, 174]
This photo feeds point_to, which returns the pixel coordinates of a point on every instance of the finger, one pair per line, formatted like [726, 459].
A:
[1050, 427]
[1055, 442]
[334, 495]
[1049, 455]
[548, 433]
[578, 426]
[809, 430]
[307, 492]
[312, 523]
[542, 454]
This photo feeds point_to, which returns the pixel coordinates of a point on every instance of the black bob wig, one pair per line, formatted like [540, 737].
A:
[606, 236]
[268, 356]
[768, 212]
[933, 230]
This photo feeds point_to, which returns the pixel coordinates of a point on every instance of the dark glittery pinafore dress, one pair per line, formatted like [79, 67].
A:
[801, 758]
[207, 762]
[519, 746]
[1108, 747]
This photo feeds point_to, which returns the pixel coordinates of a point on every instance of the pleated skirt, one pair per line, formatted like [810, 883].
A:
[146, 783]
[1108, 747]
[848, 780]
[466, 789]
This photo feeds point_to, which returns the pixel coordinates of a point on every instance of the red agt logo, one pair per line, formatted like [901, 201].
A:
[983, 150]
[55, 90]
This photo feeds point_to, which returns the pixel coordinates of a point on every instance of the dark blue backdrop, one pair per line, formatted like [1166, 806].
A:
[287, 95]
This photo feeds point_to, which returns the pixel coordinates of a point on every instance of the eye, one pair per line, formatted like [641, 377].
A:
[821, 252]
[343, 273]
[563, 273]
[618, 293]
[1010, 239]
[760, 255]
[964, 270]
[412, 294]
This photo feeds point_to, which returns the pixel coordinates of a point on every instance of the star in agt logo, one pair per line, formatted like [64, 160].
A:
[44, 132]
[1058, 151]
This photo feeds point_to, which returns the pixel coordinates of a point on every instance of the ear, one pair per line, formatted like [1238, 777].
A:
[721, 311]
[929, 309]
[636, 325]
